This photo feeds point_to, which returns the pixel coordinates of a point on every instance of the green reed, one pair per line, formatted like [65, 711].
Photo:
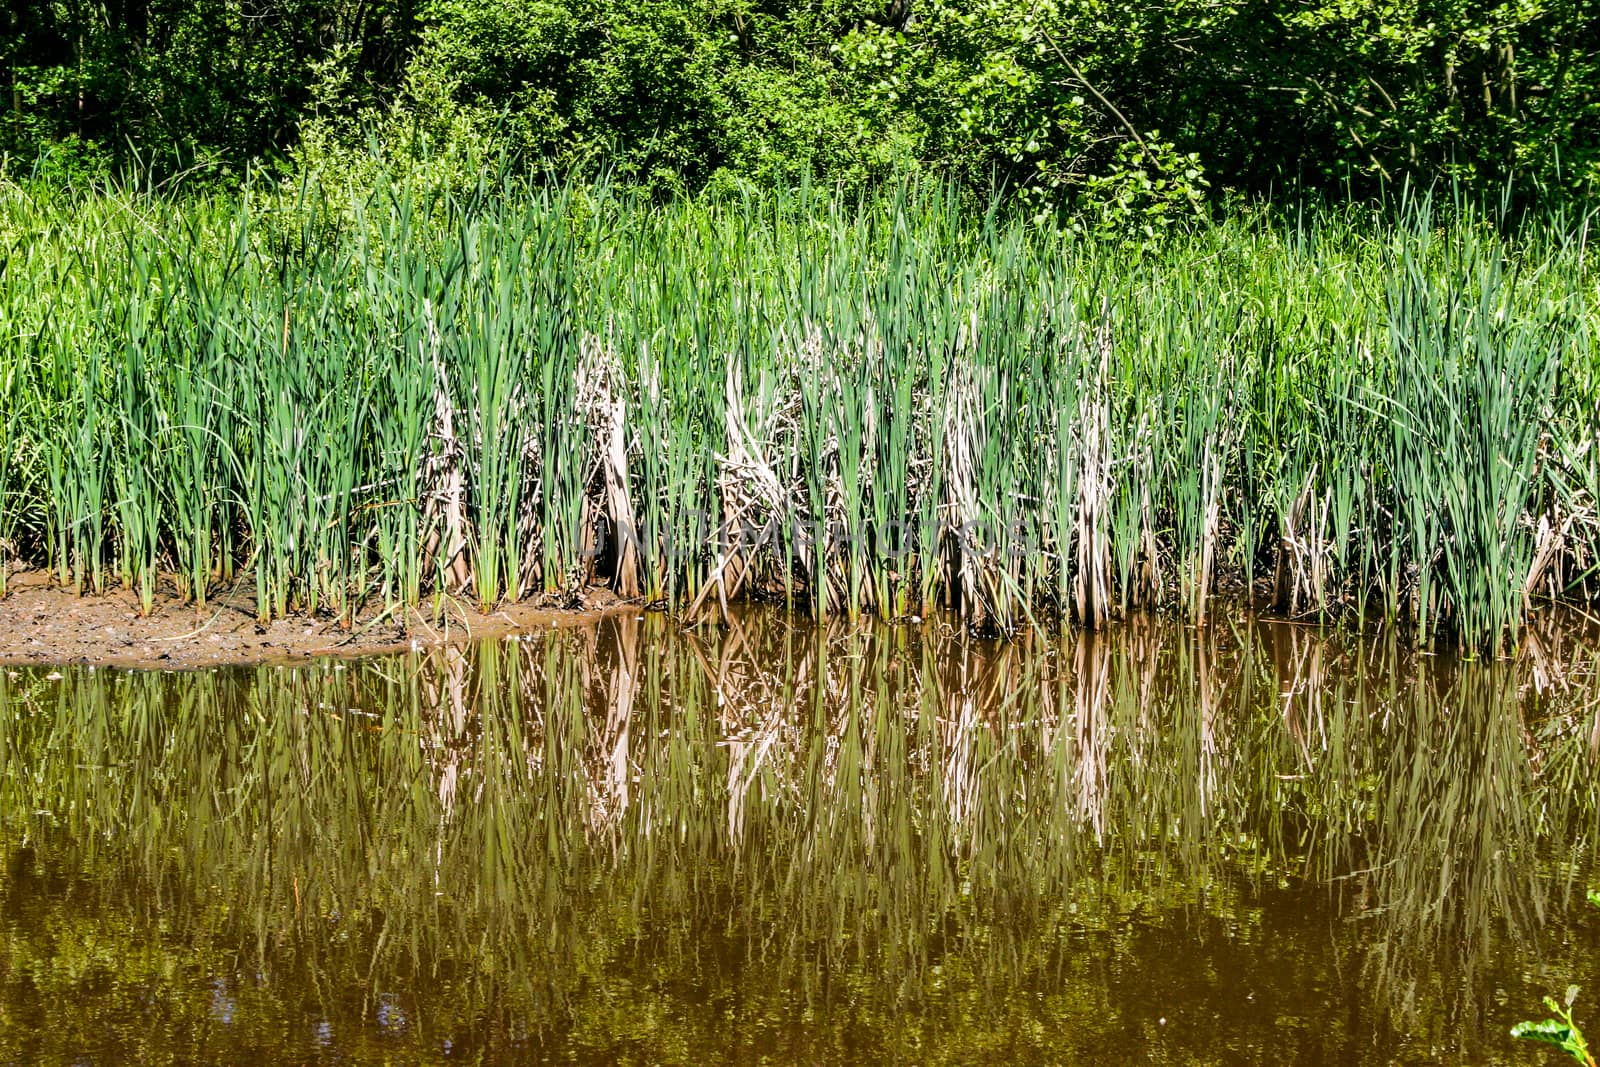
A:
[388, 397]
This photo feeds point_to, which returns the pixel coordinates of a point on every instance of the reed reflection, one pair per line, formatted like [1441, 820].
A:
[597, 840]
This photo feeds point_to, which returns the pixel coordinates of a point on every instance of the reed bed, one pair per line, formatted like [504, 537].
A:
[879, 406]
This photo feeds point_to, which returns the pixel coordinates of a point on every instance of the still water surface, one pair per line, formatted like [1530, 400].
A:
[772, 843]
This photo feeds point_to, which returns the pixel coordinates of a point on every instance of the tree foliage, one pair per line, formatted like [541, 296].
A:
[1144, 106]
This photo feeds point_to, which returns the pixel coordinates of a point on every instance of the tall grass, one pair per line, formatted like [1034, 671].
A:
[877, 406]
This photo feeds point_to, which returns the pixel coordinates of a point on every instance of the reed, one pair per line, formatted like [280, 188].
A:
[394, 396]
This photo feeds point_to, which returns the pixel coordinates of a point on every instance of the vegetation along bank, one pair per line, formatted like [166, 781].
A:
[878, 404]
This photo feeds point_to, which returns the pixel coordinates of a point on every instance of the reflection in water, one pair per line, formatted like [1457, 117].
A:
[633, 844]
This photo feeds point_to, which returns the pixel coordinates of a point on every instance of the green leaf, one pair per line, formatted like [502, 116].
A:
[1547, 1030]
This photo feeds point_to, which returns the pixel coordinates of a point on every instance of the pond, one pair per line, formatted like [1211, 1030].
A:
[777, 842]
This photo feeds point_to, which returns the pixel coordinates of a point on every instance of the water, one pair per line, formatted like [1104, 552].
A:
[775, 844]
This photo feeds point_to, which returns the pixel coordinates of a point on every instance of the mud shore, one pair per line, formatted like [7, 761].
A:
[43, 624]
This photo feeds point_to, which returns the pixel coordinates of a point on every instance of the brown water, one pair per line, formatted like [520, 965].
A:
[776, 844]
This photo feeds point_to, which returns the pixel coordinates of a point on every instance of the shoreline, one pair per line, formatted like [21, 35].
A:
[43, 624]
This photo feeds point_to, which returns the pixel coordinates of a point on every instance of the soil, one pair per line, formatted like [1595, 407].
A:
[44, 624]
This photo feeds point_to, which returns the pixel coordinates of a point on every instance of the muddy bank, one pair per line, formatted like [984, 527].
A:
[41, 623]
